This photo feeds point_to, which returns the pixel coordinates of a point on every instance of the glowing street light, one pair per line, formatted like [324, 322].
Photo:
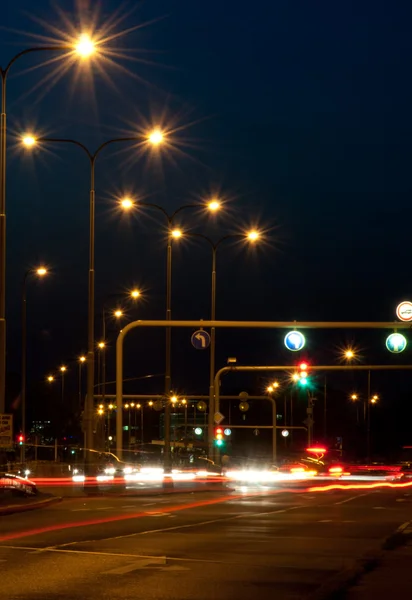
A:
[101, 345]
[63, 369]
[253, 235]
[82, 359]
[213, 205]
[135, 294]
[374, 399]
[126, 203]
[176, 233]
[85, 46]
[50, 378]
[173, 399]
[29, 141]
[118, 313]
[354, 397]
[156, 137]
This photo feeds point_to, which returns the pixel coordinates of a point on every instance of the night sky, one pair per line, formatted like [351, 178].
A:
[297, 113]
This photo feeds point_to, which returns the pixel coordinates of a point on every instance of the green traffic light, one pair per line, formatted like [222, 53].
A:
[303, 381]
[219, 442]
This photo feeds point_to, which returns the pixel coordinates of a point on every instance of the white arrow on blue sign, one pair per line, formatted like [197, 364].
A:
[294, 341]
[200, 339]
[396, 343]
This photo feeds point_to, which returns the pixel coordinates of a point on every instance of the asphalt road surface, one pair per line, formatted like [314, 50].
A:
[203, 546]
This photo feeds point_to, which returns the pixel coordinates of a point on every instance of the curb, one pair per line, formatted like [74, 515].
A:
[19, 508]
[341, 581]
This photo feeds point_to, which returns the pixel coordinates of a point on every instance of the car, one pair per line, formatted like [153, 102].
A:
[20, 486]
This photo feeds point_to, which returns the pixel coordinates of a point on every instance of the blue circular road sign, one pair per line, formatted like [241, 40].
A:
[200, 339]
[294, 341]
[396, 343]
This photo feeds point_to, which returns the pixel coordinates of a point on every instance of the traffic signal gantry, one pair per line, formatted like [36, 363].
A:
[388, 325]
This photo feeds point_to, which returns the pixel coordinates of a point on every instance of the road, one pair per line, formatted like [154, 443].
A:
[218, 545]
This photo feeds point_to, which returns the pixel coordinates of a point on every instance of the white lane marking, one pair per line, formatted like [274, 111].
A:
[105, 508]
[326, 521]
[400, 500]
[175, 528]
[158, 514]
[150, 504]
[141, 564]
[378, 507]
[126, 555]
[352, 498]
[80, 509]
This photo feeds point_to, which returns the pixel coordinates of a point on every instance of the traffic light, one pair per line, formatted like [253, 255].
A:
[20, 439]
[219, 436]
[303, 373]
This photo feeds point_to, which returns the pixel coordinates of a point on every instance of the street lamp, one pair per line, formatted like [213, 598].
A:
[63, 370]
[85, 47]
[116, 314]
[82, 360]
[250, 236]
[37, 272]
[355, 398]
[92, 157]
[79, 48]
[173, 234]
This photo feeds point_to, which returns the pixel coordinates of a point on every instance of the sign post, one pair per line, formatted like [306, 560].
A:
[200, 339]
[294, 341]
[404, 311]
[6, 431]
[396, 343]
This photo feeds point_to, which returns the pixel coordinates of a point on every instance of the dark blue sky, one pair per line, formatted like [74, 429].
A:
[300, 113]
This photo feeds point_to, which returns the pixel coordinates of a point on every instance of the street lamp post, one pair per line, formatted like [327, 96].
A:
[82, 360]
[40, 272]
[252, 236]
[80, 49]
[128, 204]
[30, 141]
[117, 314]
[63, 370]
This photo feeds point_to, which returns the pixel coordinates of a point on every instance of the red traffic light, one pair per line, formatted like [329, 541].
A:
[20, 438]
[219, 430]
[303, 366]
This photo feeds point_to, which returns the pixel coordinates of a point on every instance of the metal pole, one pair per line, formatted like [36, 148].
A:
[130, 429]
[168, 385]
[3, 245]
[325, 409]
[211, 421]
[89, 402]
[62, 389]
[80, 385]
[368, 425]
[99, 360]
[23, 365]
[141, 425]
[274, 432]
[104, 357]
